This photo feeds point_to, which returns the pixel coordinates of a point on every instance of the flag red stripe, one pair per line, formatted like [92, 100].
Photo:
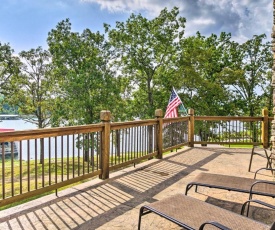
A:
[174, 102]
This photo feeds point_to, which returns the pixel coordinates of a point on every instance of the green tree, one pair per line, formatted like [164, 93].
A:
[9, 65]
[32, 91]
[201, 65]
[87, 84]
[249, 77]
[146, 52]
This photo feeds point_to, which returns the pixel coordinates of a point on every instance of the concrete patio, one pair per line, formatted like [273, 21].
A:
[114, 203]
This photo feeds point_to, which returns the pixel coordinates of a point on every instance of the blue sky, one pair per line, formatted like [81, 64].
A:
[25, 24]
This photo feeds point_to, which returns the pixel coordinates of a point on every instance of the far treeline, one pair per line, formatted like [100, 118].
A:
[131, 69]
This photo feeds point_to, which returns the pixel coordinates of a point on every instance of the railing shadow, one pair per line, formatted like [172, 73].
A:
[94, 206]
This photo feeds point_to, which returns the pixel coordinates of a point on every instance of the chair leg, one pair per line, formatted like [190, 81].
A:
[243, 208]
[188, 187]
[268, 162]
[139, 218]
[251, 158]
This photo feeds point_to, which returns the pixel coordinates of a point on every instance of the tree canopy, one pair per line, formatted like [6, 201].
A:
[146, 52]
[87, 84]
[9, 65]
[130, 70]
[32, 90]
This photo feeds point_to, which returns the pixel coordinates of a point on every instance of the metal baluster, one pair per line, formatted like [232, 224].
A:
[12, 168]
[3, 171]
[68, 160]
[35, 163]
[28, 159]
[55, 156]
[78, 154]
[20, 167]
[88, 152]
[50, 162]
[62, 158]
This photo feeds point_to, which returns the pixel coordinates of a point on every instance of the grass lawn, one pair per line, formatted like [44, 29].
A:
[32, 175]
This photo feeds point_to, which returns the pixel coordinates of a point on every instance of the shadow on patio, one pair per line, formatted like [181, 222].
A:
[114, 203]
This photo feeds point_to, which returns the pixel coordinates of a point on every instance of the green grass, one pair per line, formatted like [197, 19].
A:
[66, 167]
[38, 196]
[33, 176]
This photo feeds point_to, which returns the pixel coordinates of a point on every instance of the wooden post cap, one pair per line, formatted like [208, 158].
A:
[264, 112]
[190, 112]
[158, 113]
[105, 115]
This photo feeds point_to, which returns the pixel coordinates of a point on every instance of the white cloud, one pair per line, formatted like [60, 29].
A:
[203, 21]
[129, 5]
[242, 18]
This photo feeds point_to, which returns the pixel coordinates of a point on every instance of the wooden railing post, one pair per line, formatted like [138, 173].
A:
[159, 115]
[105, 117]
[265, 128]
[191, 128]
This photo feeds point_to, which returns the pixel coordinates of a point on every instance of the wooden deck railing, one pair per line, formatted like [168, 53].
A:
[48, 159]
[232, 130]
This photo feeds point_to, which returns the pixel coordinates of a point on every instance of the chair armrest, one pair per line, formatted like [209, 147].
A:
[261, 147]
[255, 149]
[258, 202]
[259, 151]
[270, 169]
[260, 182]
[216, 224]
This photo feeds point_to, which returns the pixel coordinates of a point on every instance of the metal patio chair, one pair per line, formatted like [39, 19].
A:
[191, 214]
[262, 152]
[234, 183]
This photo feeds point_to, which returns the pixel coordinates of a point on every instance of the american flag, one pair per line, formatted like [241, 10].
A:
[173, 103]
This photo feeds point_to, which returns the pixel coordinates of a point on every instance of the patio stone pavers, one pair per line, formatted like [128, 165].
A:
[114, 203]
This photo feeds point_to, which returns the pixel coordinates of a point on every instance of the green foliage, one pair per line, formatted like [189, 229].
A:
[249, 76]
[222, 77]
[7, 109]
[131, 72]
[9, 65]
[146, 52]
[32, 90]
[202, 62]
[86, 83]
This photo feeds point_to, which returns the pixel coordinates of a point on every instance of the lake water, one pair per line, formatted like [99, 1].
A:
[16, 124]
[51, 145]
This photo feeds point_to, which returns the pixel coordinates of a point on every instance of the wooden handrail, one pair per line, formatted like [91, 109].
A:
[98, 148]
